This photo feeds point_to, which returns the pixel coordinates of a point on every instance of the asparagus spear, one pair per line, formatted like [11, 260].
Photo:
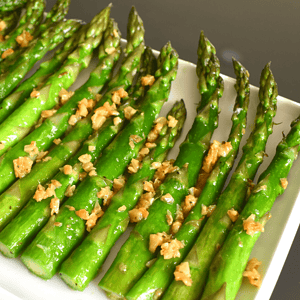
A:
[36, 51]
[218, 225]
[77, 271]
[20, 231]
[11, 5]
[10, 20]
[55, 126]
[57, 14]
[135, 253]
[20, 122]
[41, 173]
[28, 22]
[110, 165]
[226, 271]
[160, 274]
[14, 100]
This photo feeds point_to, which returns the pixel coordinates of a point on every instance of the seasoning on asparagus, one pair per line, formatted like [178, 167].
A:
[77, 271]
[135, 253]
[44, 171]
[227, 269]
[36, 51]
[219, 223]
[47, 68]
[156, 280]
[110, 165]
[56, 14]
[27, 24]
[20, 122]
[13, 240]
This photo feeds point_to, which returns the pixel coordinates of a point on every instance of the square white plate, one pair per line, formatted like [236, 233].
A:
[16, 282]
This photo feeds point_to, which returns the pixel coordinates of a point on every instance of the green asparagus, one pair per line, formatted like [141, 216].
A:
[36, 51]
[77, 271]
[28, 22]
[110, 165]
[135, 253]
[226, 271]
[14, 100]
[11, 5]
[57, 14]
[218, 224]
[14, 240]
[12, 203]
[20, 122]
[160, 274]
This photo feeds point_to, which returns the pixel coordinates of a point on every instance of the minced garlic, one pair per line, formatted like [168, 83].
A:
[251, 272]
[138, 214]
[57, 141]
[208, 210]
[129, 112]
[171, 249]
[54, 206]
[182, 273]
[67, 169]
[172, 122]
[233, 214]
[122, 208]
[31, 149]
[22, 166]
[24, 38]
[147, 80]
[2, 25]
[85, 158]
[284, 183]
[157, 240]
[110, 50]
[6, 53]
[134, 166]
[251, 227]
[117, 95]
[34, 94]
[105, 194]
[64, 96]
[167, 198]
[118, 184]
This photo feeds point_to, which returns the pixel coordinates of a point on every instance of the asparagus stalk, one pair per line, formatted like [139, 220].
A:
[21, 230]
[36, 51]
[11, 5]
[226, 271]
[10, 20]
[28, 22]
[41, 173]
[53, 127]
[57, 14]
[77, 271]
[218, 225]
[135, 253]
[14, 100]
[110, 165]
[160, 275]
[20, 122]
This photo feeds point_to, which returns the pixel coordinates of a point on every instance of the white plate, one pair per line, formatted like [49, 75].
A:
[273, 245]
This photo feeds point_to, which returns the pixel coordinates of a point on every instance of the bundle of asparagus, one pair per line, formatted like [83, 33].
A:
[60, 199]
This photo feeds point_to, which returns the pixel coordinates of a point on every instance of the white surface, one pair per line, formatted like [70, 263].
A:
[272, 247]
